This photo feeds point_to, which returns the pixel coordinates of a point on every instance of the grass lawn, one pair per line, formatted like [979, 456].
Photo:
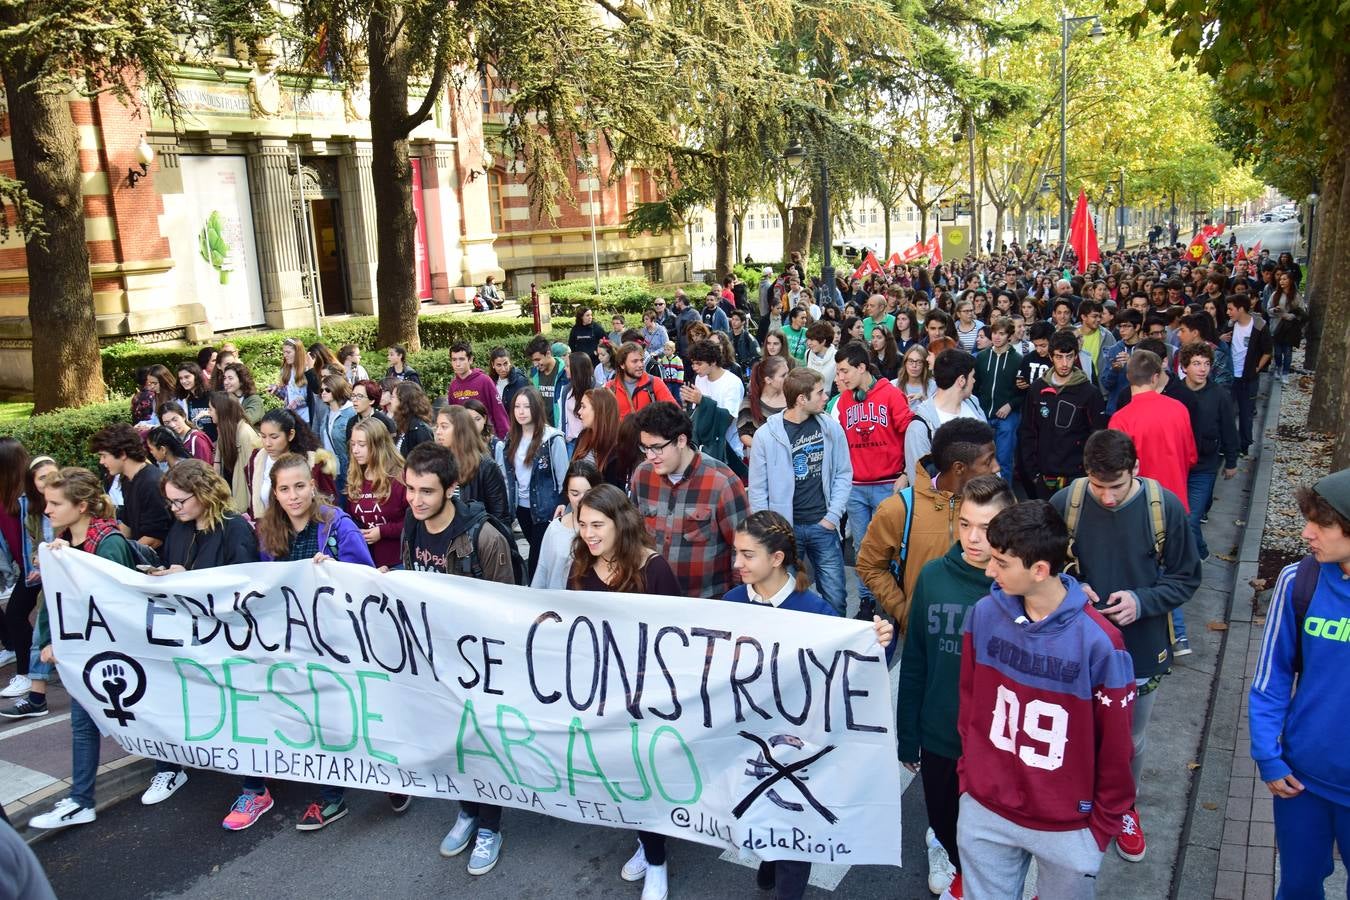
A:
[14, 411]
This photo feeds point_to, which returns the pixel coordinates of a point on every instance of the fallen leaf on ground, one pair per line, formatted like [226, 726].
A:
[1217, 626]
[1210, 806]
[1192, 765]
[1258, 583]
[1239, 522]
[1225, 557]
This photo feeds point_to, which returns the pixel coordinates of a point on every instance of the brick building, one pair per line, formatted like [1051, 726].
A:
[256, 210]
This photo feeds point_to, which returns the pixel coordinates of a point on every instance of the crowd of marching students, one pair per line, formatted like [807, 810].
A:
[960, 433]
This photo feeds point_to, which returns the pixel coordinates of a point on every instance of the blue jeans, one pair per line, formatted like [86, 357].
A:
[84, 752]
[1199, 496]
[1005, 442]
[822, 548]
[863, 501]
[1284, 358]
[1305, 828]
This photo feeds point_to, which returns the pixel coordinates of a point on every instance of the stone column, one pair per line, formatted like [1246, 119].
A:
[271, 186]
[441, 205]
[358, 224]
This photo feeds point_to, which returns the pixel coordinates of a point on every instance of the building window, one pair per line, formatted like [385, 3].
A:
[874, 216]
[495, 200]
[750, 221]
[775, 222]
[909, 214]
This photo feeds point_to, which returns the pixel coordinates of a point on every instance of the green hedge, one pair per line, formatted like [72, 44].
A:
[64, 435]
[618, 294]
[262, 352]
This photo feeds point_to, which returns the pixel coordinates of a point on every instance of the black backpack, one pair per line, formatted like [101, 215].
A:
[1305, 585]
[471, 566]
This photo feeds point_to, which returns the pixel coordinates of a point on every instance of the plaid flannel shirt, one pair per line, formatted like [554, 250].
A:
[694, 522]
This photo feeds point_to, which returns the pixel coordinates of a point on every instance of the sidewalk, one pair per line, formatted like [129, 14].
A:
[35, 764]
[1229, 846]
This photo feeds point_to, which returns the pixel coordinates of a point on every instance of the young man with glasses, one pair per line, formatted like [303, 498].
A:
[691, 503]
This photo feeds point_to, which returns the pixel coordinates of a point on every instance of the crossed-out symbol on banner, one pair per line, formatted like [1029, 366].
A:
[780, 772]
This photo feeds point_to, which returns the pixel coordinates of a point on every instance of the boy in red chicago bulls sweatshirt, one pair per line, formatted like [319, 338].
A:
[1047, 690]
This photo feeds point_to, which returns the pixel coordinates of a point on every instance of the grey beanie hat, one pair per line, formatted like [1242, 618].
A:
[1335, 489]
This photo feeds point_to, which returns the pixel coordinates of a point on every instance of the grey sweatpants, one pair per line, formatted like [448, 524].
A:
[996, 853]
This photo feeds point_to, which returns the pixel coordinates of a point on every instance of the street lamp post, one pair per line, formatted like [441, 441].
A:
[1066, 27]
[1120, 215]
[590, 165]
[1312, 233]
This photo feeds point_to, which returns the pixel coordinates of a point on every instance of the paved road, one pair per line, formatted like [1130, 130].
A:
[177, 849]
[1274, 236]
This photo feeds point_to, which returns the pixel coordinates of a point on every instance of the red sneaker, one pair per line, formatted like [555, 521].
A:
[1130, 843]
[953, 891]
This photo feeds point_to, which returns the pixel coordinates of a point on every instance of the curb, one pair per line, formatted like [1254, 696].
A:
[120, 780]
[1198, 866]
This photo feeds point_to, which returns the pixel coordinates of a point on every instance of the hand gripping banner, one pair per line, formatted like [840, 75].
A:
[761, 730]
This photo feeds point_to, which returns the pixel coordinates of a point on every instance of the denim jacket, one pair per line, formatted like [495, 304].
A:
[548, 473]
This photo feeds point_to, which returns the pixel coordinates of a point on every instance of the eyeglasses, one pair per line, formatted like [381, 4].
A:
[654, 449]
[178, 504]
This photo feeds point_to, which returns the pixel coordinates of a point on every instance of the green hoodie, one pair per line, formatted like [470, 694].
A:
[930, 666]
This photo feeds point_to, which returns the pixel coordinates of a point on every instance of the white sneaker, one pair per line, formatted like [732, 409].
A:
[636, 867]
[654, 886]
[19, 686]
[6, 657]
[162, 787]
[66, 812]
[940, 868]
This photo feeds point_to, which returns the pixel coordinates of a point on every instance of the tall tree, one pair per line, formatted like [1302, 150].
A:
[51, 52]
[1291, 71]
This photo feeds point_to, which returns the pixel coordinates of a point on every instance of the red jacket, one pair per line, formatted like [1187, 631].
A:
[1161, 429]
[875, 428]
[648, 390]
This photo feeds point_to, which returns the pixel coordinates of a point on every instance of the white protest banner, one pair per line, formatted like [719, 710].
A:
[763, 730]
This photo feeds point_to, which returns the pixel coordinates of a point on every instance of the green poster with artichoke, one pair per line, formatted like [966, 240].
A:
[214, 248]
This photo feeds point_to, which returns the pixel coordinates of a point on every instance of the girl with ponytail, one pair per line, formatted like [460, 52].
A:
[82, 517]
[772, 574]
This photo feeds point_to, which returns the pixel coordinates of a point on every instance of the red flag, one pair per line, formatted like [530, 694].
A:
[1198, 248]
[919, 249]
[894, 259]
[1241, 253]
[934, 248]
[869, 266]
[1255, 252]
[1082, 234]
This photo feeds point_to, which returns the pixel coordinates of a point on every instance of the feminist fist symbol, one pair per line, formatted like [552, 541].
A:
[122, 681]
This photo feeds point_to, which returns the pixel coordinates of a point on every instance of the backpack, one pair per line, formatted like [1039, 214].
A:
[898, 565]
[1305, 585]
[1073, 511]
[141, 555]
[470, 566]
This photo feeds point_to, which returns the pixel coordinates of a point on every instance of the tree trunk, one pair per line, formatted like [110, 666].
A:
[1326, 411]
[999, 220]
[45, 144]
[1314, 292]
[722, 216]
[886, 226]
[391, 173]
[1330, 396]
[738, 232]
[797, 236]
